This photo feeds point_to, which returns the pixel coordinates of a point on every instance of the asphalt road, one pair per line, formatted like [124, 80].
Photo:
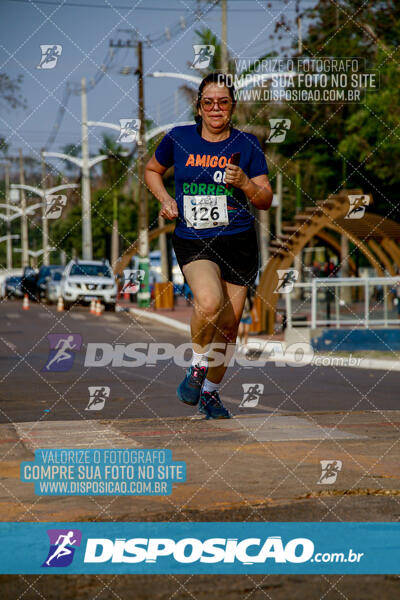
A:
[29, 392]
[263, 479]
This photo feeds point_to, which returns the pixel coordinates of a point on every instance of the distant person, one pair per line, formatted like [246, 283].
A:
[246, 320]
[316, 269]
[396, 295]
[330, 270]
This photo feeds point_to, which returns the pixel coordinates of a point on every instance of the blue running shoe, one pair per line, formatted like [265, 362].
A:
[189, 389]
[212, 407]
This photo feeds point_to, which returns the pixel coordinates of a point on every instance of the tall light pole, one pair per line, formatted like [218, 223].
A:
[6, 238]
[87, 252]
[88, 164]
[143, 296]
[24, 220]
[8, 217]
[85, 164]
[35, 253]
[45, 228]
[43, 193]
[224, 47]
[9, 237]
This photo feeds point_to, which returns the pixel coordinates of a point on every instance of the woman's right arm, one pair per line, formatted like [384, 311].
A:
[153, 176]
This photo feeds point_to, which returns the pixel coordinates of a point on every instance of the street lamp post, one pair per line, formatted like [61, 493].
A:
[43, 193]
[24, 220]
[35, 253]
[85, 164]
[9, 238]
[86, 208]
[22, 213]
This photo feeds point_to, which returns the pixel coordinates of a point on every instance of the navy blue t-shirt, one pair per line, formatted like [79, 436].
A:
[200, 171]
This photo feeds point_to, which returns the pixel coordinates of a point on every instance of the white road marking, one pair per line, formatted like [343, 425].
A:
[72, 434]
[281, 428]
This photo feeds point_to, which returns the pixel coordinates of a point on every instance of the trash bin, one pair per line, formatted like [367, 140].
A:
[164, 295]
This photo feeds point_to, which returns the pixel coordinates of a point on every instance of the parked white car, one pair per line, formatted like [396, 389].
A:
[85, 280]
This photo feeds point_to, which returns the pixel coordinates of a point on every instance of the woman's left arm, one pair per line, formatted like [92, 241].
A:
[258, 189]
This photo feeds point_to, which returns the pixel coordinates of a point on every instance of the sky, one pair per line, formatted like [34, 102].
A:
[84, 29]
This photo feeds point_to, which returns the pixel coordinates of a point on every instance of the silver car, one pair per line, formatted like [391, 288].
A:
[53, 286]
[85, 280]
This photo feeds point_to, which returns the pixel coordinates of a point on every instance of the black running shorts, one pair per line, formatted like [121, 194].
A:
[236, 254]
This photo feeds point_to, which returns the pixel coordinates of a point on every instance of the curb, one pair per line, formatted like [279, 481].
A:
[307, 359]
[161, 319]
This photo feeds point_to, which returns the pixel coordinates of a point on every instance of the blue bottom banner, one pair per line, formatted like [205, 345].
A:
[206, 548]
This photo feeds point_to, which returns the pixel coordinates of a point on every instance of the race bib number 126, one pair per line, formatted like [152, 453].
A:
[203, 212]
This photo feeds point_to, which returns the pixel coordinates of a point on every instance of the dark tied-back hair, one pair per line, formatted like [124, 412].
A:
[221, 79]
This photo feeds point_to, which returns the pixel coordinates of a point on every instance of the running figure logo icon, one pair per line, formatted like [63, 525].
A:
[330, 470]
[62, 351]
[132, 279]
[129, 130]
[251, 394]
[202, 56]
[50, 55]
[279, 129]
[357, 206]
[97, 397]
[287, 279]
[63, 543]
[55, 205]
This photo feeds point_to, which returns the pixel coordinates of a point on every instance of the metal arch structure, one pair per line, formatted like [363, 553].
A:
[373, 235]
[331, 241]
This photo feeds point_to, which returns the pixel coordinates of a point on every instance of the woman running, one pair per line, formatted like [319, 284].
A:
[214, 240]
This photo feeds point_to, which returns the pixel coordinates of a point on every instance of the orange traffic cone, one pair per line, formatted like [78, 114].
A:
[98, 308]
[60, 304]
[25, 304]
[93, 307]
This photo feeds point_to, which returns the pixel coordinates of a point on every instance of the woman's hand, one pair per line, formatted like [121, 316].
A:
[235, 176]
[169, 208]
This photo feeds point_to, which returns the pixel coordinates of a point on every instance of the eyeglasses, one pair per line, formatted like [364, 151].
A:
[208, 104]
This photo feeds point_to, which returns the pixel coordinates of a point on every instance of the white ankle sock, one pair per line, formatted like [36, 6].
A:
[199, 359]
[209, 386]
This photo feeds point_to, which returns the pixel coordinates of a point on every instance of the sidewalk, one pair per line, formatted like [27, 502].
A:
[179, 317]
[247, 467]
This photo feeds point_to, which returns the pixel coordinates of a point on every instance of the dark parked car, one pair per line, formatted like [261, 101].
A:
[28, 283]
[13, 287]
[44, 275]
